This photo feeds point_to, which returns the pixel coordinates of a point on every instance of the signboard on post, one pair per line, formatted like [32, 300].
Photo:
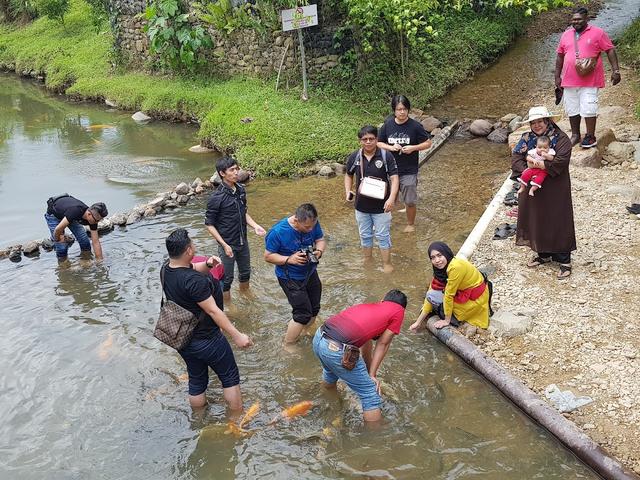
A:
[300, 17]
[297, 19]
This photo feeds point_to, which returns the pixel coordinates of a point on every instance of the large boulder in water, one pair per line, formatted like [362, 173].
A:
[31, 248]
[182, 189]
[140, 117]
[480, 127]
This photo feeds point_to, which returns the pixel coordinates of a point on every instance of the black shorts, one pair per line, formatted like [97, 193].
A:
[214, 352]
[304, 298]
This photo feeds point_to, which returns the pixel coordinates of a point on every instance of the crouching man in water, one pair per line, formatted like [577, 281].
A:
[190, 286]
[66, 211]
[351, 332]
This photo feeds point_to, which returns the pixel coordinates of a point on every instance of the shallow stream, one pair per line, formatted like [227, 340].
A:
[87, 392]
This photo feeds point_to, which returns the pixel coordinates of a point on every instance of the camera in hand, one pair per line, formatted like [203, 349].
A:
[308, 251]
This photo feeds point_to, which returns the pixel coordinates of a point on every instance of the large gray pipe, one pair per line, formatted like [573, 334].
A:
[567, 432]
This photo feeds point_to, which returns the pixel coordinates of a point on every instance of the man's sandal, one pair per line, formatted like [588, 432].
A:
[565, 271]
[537, 261]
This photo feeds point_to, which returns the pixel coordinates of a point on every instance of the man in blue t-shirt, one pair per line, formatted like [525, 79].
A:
[294, 245]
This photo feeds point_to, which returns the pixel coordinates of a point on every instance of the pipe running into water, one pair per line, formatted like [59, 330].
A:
[566, 431]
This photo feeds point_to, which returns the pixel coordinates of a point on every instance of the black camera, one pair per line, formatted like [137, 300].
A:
[308, 251]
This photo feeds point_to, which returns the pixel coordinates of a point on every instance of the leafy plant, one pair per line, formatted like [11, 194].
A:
[99, 13]
[53, 9]
[23, 10]
[173, 38]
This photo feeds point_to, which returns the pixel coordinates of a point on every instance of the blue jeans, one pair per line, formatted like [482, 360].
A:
[357, 379]
[214, 352]
[378, 222]
[76, 228]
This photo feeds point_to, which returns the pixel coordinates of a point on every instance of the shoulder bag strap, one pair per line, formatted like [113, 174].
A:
[575, 43]
[162, 282]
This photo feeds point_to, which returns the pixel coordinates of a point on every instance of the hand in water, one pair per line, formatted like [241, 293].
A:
[243, 341]
[415, 325]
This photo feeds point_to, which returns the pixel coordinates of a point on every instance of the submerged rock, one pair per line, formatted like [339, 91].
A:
[183, 199]
[46, 244]
[140, 117]
[200, 149]
[150, 212]
[105, 225]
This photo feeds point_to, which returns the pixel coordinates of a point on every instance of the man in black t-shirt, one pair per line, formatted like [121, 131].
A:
[405, 138]
[227, 219]
[66, 211]
[193, 288]
[373, 215]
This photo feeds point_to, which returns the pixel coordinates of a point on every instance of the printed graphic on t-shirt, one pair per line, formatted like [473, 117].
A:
[399, 138]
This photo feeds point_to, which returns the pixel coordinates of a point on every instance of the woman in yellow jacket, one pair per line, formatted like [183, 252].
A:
[458, 292]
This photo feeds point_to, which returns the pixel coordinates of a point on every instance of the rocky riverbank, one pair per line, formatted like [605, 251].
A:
[581, 333]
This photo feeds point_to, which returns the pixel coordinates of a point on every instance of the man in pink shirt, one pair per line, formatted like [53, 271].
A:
[580, 90]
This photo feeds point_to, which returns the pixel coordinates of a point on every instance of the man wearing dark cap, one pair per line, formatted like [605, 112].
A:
[66, 211]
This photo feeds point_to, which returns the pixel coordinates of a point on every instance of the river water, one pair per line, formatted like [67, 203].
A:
[87, 392]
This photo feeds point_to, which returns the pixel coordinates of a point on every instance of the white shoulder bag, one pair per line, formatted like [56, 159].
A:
[371, 187]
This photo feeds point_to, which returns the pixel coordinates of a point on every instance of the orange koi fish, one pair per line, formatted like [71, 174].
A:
[252, 412]
[300, 408]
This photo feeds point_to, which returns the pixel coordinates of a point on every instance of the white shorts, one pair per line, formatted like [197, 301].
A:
[581, 101]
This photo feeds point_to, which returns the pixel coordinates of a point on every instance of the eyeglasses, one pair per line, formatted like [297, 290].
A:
[368, 139]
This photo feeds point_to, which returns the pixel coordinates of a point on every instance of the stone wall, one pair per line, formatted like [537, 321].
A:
[244, 52]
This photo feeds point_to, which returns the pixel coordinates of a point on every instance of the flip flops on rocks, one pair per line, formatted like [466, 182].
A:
[504, 230]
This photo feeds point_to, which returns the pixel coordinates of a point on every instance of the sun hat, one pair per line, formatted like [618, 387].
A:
[536, 113]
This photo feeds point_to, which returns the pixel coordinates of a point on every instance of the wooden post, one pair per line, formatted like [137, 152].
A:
[304, 66]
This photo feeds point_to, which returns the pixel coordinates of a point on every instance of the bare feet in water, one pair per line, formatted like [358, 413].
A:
[409, 229]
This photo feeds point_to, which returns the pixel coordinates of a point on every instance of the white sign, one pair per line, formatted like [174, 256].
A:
[300, 17]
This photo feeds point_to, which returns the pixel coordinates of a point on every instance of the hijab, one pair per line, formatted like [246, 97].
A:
[529, 140]
[440, 274]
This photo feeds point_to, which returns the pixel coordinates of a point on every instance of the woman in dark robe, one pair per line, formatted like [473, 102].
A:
[545, 221]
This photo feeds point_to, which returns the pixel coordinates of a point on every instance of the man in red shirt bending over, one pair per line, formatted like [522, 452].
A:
[344, 345]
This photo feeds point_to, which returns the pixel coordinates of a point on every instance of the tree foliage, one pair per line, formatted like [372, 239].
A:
[178, 43]
[53, 9]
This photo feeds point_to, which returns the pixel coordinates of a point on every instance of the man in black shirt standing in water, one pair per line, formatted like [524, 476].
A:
[227, 219]
[66, 211]
[192, 287]
[405, 137]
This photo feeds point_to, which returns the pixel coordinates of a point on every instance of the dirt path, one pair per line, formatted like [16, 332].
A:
[585, 334]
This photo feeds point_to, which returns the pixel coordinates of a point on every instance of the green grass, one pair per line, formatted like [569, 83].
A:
[629, 50]
[285, 134]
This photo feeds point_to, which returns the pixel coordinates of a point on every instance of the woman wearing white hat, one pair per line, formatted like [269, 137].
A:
[545, 221]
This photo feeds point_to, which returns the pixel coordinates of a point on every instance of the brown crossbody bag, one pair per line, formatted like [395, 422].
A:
[175, 324]
[584, 66]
